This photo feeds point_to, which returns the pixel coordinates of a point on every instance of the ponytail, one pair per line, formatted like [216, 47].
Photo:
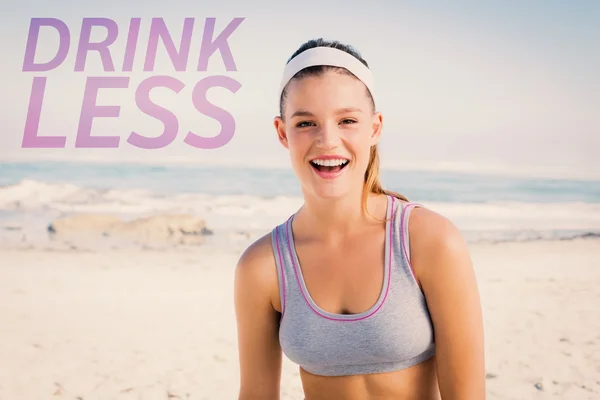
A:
[372, 184]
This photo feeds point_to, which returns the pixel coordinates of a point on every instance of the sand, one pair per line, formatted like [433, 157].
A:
[133, 324]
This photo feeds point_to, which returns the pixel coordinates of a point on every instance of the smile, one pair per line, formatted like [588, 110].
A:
[330, 167]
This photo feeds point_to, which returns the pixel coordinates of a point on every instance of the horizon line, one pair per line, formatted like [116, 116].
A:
[472, 169]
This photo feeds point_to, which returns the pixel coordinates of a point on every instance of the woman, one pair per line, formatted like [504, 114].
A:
[372, 296]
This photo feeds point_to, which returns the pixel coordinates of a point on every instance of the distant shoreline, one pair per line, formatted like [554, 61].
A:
[513, 171]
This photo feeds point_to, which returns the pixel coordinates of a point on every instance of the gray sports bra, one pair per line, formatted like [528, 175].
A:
[395, 333]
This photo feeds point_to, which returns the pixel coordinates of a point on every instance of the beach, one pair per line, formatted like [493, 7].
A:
[131, 323]
[116, 281]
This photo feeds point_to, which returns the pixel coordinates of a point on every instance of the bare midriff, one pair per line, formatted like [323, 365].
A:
[418, 382]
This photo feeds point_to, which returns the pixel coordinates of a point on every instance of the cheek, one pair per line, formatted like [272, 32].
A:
[298, 145]
[360, 143]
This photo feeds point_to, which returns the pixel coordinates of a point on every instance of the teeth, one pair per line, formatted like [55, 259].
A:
[330, 163]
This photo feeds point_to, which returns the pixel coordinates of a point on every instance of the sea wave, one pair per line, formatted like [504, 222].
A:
[492, 220]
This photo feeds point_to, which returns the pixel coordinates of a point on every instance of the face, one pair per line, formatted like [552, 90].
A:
[329, 128]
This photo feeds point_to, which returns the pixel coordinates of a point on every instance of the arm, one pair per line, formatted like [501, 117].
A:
[260, 355]
[444, 269]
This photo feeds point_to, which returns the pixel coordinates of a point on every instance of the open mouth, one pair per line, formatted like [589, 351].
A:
[332, 165]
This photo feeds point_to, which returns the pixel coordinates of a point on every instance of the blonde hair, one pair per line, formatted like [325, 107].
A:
[372, 183]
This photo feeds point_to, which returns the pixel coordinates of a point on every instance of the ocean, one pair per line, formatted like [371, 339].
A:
[252, 200]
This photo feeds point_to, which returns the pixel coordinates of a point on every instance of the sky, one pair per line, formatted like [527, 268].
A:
[503, 87]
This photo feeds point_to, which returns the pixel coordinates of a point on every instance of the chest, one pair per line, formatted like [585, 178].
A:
[345, 278]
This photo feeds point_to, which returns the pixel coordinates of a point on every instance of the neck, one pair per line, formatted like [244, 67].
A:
[339, 217]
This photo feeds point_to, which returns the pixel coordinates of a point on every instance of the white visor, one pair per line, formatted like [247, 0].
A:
[327, 56]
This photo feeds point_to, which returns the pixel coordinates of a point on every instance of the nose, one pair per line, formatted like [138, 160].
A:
[327, 136]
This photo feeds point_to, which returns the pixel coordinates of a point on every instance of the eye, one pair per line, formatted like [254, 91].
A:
[303, 124]
[348, 121]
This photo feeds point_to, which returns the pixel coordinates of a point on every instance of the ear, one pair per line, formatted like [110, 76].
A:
[281, 133]
[377, 127]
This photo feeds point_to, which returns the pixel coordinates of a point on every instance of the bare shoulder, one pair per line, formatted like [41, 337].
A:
[256, 270]
[435, 243]
[259, 252]
[433, 228]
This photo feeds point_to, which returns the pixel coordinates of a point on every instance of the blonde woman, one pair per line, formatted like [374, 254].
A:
[374, 297]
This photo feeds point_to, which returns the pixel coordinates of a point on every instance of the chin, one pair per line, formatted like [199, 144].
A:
[332, 189]
[329, 184]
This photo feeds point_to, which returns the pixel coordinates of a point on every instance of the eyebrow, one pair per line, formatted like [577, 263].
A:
[304, 113]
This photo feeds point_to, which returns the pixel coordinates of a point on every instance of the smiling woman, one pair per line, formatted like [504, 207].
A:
[371, 295]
